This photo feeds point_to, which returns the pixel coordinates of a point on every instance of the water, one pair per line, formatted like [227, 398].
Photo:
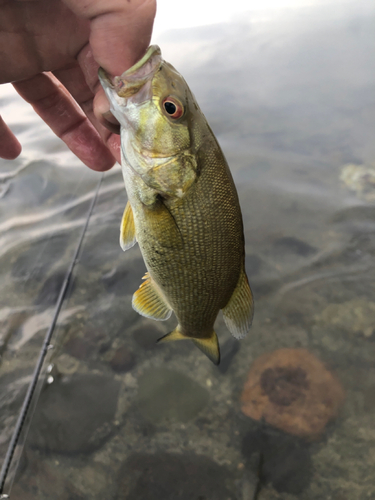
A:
[290, 98]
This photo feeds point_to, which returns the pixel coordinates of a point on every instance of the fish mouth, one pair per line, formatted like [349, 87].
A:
[136, 77]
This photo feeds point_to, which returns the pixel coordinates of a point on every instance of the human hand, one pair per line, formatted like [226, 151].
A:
[70, 39]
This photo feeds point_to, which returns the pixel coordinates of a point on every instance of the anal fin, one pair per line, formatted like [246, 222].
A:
[238, 313]
[148, 302]
[127, 230]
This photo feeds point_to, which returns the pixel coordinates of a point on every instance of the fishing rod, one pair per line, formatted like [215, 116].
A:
[45, 348]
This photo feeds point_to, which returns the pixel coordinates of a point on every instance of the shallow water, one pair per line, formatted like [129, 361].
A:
[291, 100]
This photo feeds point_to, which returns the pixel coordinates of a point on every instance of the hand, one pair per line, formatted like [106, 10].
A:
[70, 39]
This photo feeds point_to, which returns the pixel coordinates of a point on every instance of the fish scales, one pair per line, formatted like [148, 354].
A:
[211, 254]
[183, 206]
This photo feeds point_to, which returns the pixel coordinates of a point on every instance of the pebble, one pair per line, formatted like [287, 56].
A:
[122, 360]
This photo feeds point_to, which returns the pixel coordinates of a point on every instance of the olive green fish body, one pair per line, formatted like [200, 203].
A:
[199, 268]
[183, 206]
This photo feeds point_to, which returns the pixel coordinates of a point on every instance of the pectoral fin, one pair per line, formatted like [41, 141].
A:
[209, 346]
[127, 230]
[162, 225]
[149, 302]
[238, 313]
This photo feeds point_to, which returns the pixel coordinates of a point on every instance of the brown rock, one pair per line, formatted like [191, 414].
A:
[293, 391]
[122, 360]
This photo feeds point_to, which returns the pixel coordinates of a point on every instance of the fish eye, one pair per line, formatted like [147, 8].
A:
[173, 107]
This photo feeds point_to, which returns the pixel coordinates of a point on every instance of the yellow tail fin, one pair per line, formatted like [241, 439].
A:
[209, 346]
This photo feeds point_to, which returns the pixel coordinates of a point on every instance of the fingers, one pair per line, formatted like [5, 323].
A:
[53, 103]
[120, 30]
[120, 33]
[101, 107]
[10, 148]
[74, 81]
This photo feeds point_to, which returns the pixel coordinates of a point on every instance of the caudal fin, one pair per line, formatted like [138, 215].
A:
[209, 346]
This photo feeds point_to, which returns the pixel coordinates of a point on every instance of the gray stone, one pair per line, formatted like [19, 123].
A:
[39, 479]
[75, 414]
[170, 477]
[281, 460]
[166, 395]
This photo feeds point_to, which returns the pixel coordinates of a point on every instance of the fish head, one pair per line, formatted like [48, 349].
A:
[155, 108]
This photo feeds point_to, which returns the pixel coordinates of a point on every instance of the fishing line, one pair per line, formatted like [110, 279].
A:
[46, 345]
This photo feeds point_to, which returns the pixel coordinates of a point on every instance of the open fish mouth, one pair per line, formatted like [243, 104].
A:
[134, 78]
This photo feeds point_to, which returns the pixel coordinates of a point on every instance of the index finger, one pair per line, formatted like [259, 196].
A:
[10, 148]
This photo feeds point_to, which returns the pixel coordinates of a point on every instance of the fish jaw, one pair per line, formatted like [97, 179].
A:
[133, 86]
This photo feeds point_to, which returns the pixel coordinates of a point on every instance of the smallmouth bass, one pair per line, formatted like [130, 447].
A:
[183, 207]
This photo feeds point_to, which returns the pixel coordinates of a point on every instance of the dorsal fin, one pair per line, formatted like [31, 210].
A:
[127, 230]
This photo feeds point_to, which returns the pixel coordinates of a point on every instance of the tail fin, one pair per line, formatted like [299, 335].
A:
[209, 346]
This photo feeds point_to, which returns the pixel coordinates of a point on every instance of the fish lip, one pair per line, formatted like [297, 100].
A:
[134, 78]
[104, 78]
[152, 52]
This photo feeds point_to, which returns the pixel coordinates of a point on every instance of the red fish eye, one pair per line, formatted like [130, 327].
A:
[172, 107]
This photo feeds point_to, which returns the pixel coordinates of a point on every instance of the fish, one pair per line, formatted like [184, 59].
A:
[183, 207]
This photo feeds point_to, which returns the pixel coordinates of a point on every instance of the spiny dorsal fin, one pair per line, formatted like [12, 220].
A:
[238, 313]
[209, 346]
[127, 230]
[149, 302]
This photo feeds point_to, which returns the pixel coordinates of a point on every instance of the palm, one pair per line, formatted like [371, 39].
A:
[45, 39]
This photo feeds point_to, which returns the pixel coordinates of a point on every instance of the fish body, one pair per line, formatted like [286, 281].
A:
[183, 207]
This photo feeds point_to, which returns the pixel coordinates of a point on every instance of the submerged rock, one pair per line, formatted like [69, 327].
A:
[42, 480]
[168, 476]
[360, 179]
[75, 414]
[51, 289]
[122, 360]
[167, 395]
[38, 258]
[353, 316]
[290, 244]
[283, 461]
[292, 390]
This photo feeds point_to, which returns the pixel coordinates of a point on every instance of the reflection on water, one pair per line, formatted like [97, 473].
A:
[291, 102]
